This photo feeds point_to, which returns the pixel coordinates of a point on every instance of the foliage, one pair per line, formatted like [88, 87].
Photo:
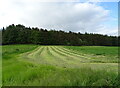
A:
[19, 34]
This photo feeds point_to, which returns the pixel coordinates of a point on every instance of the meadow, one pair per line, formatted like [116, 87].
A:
[0, 66]
[34, 65]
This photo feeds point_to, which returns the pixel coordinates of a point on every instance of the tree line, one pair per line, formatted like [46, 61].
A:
[19, 34]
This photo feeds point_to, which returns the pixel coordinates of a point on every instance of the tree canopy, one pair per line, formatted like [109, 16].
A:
[19, 34]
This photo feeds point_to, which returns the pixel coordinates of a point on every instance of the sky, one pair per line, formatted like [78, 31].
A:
[67, 15]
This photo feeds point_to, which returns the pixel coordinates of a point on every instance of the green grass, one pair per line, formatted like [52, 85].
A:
[17, 49]
[0, 66]
[97, 50]
[100, 53]
[35, 65]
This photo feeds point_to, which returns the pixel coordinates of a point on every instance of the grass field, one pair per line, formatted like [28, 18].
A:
[0, 66]
[35, 65]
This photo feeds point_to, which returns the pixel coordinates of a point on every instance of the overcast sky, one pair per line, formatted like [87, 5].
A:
[95, 17]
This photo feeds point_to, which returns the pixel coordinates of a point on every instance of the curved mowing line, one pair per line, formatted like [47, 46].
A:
[70, 63]
[56, 56]
[87, 56]
[47, 57]
[32, 58]
[28, 53]
[35, 54]
[71, 57]
[41, 56]
[58, 52]
[52, 53]
[67, 54]
[34, 51]
[60, 58]
[99, 59]
[65, 57]
[71, 53]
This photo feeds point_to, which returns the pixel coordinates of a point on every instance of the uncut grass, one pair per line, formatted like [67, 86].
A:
[0, 66]
[100, 54]
[0, 72]
[89, 57]
[51, 76]
[98, 50]
[25, 72]
[9, 55]
[17, 49]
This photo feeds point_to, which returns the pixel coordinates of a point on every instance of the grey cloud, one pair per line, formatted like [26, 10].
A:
[77, 17]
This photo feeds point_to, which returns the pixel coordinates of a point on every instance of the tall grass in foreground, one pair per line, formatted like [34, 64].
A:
[44, 75]
[20, 72]
[0, 66]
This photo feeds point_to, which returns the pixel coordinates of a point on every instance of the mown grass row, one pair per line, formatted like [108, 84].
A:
[54, 66]
[104, 54]
[69, 55]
